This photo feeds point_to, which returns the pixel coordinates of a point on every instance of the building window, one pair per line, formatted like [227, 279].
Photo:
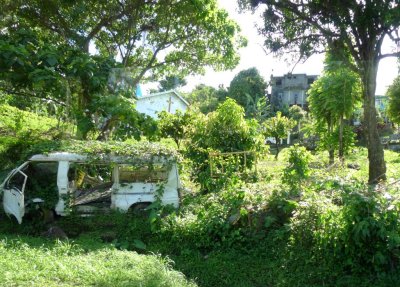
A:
[295, 99]
[279, 82]
[310, 81]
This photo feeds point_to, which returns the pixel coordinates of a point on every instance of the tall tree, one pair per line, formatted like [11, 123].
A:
[333, 98]
[247, 88]
[174, 125]
[206, 98]
[307, 27]
[146, 38]
[297, 114]
[278, 128]
[393, 93]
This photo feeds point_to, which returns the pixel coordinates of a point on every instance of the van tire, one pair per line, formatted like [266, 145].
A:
[139, 208]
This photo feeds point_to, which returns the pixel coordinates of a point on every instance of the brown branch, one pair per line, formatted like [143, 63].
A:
[396, 54]
[25, 94]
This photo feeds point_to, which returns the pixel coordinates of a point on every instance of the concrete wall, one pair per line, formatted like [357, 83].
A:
[151, 105]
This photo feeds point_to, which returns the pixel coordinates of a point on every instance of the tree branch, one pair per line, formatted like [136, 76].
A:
[396, 54]
[29, 95]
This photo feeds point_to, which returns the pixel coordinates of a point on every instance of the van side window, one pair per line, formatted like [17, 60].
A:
[42, 182]
[131, 173]
[90, 182]
[89, 176]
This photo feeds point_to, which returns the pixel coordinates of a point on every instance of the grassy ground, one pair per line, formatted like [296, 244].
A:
[27, 261]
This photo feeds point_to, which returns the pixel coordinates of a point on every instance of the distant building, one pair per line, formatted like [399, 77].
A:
[290, 89]
[381, 103]
[169, 101]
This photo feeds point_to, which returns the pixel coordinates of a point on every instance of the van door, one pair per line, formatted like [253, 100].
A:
[13, 193]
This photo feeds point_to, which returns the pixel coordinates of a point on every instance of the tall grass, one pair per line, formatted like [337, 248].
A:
[67, 264]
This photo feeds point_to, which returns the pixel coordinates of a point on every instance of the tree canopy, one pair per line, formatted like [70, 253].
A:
[278, 128]
[206, 98]
[248, 88]
[170, 83]
[75, 52]
[333, 98]
[308, 27]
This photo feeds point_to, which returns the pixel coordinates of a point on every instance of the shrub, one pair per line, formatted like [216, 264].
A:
[360, 232]
[297, 170]
[225, 130]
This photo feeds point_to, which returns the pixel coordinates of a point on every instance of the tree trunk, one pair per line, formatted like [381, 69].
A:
[331, 156]
[341, 148]
[377, 166]
[277, 148]
[331, 149]
[83, 108]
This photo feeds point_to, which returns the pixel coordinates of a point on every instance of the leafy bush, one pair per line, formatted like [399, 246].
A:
[297, 170]
[174, 125]
[209, 222]
[19, 130]
[278, 128]
[360, 231]
[225, 130]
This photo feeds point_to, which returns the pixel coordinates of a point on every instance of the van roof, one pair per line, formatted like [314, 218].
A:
[95, 151]
[74, 157]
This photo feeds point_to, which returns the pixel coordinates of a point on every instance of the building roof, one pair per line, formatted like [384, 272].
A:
[290, 74]
[165, 93]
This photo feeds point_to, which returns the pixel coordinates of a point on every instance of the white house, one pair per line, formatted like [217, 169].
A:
[169, 101]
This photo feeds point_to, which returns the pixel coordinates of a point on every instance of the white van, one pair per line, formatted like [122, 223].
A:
[70, 180]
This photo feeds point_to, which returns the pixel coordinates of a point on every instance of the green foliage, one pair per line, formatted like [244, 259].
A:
[393, 93]
[210, 224]
[171, 83]
[19, 130]
[206, 98]
[329, 140]
[174, 125]
[334, 97]
[297, 169]
[354, 227]
[335, 94]
[225, 130]
[297, 113]
[335, 233]
[50, 60]
[69, 264]
[138, 152]
[118, 119]
[290, 28]
[247, 88]
[278, 128]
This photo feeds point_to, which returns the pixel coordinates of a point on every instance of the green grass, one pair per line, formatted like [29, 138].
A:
[23, 262]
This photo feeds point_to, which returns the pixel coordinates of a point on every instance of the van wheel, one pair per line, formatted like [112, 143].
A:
[139, 208]
[48, 215]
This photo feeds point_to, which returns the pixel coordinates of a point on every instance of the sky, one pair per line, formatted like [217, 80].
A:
[254, 56]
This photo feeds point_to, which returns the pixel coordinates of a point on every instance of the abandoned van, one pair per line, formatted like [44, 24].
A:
[62, 181]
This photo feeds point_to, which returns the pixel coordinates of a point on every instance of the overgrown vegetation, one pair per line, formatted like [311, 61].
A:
[329, 230]
[225, 130]
[27, 262]
[244, 219]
